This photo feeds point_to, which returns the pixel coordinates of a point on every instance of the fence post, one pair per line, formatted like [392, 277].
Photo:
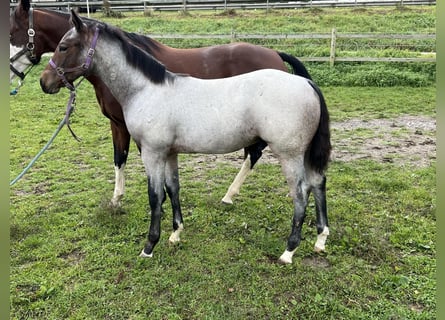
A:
[333, 41]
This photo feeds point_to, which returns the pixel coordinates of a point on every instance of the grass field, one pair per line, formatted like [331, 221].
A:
[72, 257]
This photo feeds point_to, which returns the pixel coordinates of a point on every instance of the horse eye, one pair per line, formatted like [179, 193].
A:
[62, 48]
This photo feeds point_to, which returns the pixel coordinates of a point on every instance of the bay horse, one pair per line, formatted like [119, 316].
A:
[168, 114]
[208, 62]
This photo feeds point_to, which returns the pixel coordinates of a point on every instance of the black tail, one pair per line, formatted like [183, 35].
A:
[320, 149]
[297, 66]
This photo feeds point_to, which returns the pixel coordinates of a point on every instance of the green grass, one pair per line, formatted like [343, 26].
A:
[72, 257]
[410, 20]
[346, 20]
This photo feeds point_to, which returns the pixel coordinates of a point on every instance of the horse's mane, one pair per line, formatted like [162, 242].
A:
[138, 58]
[146, 43]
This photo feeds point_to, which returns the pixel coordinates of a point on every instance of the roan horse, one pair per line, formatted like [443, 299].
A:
[167, 114]
[209, 62]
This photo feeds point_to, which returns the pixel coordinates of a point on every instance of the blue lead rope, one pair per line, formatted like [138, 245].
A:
[65, 120]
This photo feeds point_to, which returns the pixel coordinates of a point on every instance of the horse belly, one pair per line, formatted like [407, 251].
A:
[215, 138]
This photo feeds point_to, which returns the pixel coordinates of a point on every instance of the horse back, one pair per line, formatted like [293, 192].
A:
[220, 61]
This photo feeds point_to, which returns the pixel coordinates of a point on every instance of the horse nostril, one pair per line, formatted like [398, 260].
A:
[43, 86]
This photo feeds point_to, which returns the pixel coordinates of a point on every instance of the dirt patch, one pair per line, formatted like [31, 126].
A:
[406, 140]
[403, 140]
[316, 261]
[74, 257]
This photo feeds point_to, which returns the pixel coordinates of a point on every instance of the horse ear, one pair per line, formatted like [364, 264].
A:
[76, 21]
[25, 4]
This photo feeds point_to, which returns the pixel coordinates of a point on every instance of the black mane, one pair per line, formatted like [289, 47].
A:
[145, 43]
[138, 58]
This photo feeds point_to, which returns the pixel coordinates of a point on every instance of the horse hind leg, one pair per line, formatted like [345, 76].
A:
[252, 155]
[299, 191]
[314, 182]
[238, 181]
[319, 192]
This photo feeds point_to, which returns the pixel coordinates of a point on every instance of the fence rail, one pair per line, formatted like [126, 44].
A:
[333, 36]
[169, 5]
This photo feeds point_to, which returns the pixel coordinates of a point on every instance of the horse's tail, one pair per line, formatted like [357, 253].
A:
[320, 147]
[297, 66]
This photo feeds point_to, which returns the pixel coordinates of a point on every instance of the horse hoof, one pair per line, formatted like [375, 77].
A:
[144, 255]
[115, 203]
[227, 200]
[174, 237]
[286, 257]
[321, 240]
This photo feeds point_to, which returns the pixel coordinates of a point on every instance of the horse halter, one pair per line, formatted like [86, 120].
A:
[28, 50]
[84, 66]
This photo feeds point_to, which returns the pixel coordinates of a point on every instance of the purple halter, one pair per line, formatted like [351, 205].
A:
[61, 71]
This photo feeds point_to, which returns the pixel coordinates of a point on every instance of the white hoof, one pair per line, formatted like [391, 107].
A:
[286, 257]
[321, 240]
[144, 255]
[174, 237]
[115, 202]
[227, 200]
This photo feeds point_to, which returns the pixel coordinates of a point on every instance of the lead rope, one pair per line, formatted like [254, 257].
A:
[20, 82]
[65, 120]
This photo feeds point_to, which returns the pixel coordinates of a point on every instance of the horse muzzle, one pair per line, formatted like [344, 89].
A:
[50, 84]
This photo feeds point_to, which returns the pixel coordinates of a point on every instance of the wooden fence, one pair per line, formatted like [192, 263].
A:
[334, 38]
[170, 5]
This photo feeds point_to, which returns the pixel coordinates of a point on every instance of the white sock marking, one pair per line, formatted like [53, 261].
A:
[286, 257]
[174, 237]
[144, 255]
[119, 185]
[237, 182]
[321, 240]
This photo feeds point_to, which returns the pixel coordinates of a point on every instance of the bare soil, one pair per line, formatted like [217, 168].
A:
[403, 140]
[406, 140]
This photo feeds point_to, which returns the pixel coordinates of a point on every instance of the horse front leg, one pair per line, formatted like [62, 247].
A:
[121, 145]
[155, 168]
[172, 186]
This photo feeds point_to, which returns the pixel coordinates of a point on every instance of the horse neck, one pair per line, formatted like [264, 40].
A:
[123, 80]
[50, 27]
